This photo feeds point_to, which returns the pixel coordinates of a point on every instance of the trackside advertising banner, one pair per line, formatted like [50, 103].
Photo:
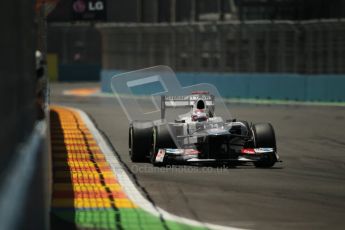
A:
[89, 10]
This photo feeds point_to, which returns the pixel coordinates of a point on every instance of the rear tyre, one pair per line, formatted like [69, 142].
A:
[139, 140]
[264, 137]
[161, 138]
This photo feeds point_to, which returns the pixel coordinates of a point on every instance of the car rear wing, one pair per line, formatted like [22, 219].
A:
[184, 102]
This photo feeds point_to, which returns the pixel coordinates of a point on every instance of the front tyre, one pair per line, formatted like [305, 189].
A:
[139, 140]
[264, 137]
[161, 138]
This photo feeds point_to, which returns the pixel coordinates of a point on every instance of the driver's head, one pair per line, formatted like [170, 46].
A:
[199, 115]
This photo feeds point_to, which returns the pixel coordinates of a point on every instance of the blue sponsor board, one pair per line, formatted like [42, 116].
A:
[297, 87]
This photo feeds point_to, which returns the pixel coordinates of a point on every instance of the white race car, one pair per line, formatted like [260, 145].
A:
[199, 136]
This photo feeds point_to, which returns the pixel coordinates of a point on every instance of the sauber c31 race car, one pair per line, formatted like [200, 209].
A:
[199, 136]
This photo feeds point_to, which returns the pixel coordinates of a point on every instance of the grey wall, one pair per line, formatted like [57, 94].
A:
[24, 164]
[17, 71]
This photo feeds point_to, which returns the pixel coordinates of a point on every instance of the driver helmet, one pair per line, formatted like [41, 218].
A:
[199, 115]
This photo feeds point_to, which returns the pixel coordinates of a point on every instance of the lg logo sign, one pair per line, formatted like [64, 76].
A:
[89, 10]
[80, 6]
[93, 6]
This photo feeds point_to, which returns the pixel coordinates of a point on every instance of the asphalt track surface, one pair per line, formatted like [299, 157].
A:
[306, 191]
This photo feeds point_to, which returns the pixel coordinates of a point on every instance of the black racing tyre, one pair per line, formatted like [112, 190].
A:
[264, 137]
[161, 138]
[140, 140]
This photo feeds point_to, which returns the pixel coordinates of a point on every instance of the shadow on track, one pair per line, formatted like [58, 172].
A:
[58, 215]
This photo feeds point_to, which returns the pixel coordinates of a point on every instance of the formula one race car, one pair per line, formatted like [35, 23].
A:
[199, 136]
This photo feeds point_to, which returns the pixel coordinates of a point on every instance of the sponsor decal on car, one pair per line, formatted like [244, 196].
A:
[174, 151]
[256, 150]
[160, 155]
[182, 151]
[247, 151]
[263, 150]
[191, 152]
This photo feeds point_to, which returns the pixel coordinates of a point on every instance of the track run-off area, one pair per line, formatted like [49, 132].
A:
[306, 191]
